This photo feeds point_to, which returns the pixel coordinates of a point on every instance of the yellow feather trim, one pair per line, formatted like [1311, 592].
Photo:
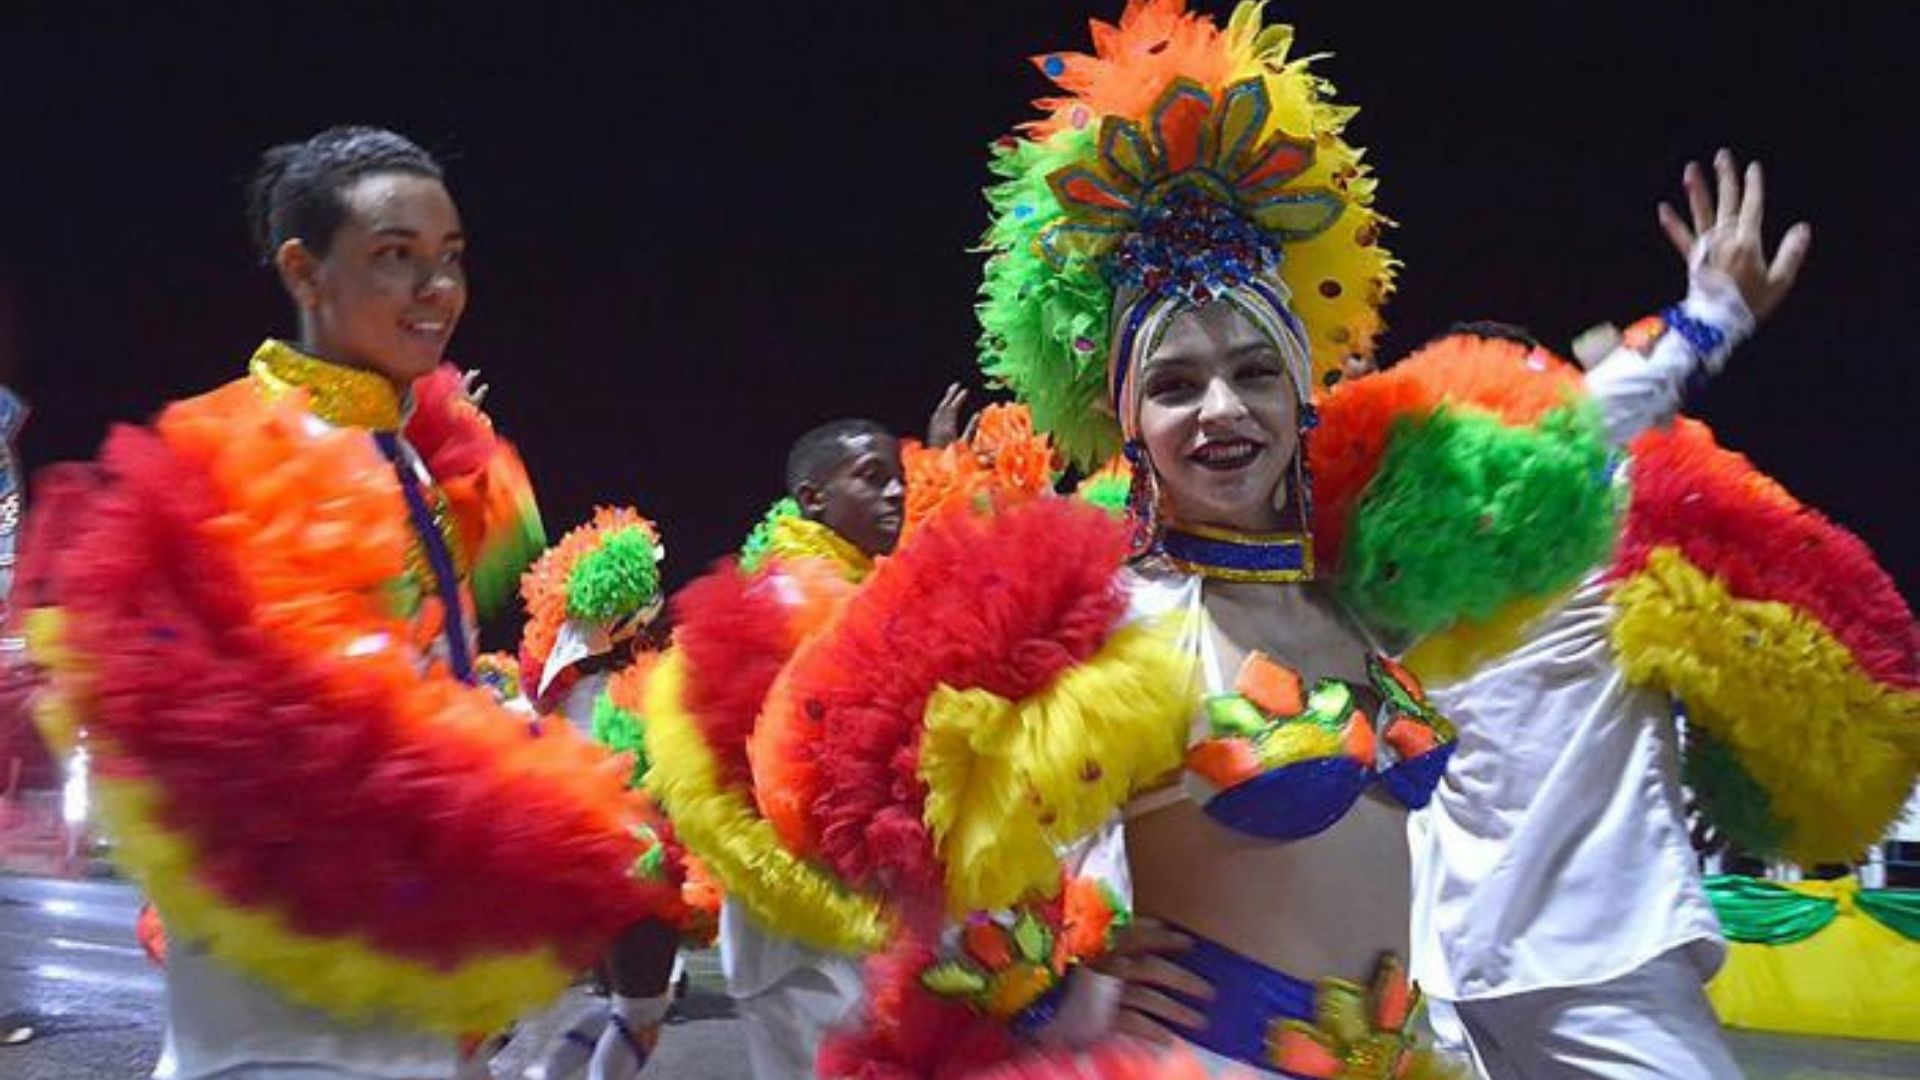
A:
[1455, 653]
[1009, 782]
[1344, 320]
[55, 712]
[799, 538]
[342, 976]
[719, 824]
[1836, 751]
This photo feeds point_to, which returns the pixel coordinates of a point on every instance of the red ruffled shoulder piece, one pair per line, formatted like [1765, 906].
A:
[1736, 524]
[61, 496]
[452, 436]
[733, 631]
[1003, 602]
[484, 481]
[347, 795]
[236, 658]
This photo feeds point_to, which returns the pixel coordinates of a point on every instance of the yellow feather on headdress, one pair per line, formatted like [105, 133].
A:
[1074, 187]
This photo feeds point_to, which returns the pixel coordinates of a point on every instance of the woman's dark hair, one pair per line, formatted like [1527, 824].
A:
[297, 190]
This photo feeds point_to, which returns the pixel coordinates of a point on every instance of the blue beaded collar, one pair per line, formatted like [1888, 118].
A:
[1238, 556]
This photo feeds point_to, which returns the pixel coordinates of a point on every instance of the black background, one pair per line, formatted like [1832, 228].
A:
[701, 228]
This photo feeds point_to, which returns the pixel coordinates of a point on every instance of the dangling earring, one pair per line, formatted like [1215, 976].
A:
[1283, 491]
[1301, 490]
[1143, 498]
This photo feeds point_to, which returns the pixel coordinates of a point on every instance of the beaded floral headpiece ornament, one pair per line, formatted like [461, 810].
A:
[1187, 164]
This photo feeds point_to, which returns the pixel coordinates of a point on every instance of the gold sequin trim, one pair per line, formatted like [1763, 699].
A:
[342, 396]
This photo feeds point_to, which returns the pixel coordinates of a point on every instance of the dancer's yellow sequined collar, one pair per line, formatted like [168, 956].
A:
[797, 538]
[342, 396]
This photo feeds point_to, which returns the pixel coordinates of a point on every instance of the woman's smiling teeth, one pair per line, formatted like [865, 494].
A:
[1224, 455]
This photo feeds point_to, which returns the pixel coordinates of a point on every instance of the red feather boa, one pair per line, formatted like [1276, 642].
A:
[453, 437]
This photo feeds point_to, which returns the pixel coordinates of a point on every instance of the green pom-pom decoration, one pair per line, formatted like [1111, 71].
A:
[1467, 514]
[621, 731]
[1043, 329]
[753, 553]
[616, 579]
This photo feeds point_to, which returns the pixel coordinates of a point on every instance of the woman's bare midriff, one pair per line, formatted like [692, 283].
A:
[1327, 904]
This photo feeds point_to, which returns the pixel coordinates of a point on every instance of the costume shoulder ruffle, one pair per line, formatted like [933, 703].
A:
[1462, 492]
[485, 483]
[221, 601]
[1789, 645]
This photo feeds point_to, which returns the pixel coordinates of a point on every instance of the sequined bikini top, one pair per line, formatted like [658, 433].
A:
[1285, 761]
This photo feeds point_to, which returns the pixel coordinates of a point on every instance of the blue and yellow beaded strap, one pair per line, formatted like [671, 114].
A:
[1237, 556]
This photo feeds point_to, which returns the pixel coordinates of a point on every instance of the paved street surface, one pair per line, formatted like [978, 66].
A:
[78, 1001]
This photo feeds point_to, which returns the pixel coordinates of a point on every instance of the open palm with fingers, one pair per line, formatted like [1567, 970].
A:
[1728, 224]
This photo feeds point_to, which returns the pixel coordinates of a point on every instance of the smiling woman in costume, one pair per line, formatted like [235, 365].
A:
[1184, 248]
[1184, 254]
[1184, 251]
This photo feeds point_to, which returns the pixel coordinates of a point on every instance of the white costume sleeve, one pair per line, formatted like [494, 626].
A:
[1637, 391]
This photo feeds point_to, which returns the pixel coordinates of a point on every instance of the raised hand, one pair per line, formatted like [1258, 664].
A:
[943, 427]
[1726, 228]
[472, 388]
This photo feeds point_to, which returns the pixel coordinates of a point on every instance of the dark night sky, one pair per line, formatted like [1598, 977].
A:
[694, 239]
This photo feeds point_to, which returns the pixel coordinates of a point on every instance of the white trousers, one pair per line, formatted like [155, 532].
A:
[1654, 1021]
[785, 1022]
[222, 1025]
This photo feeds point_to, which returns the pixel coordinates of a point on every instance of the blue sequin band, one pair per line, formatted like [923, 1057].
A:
[1235, 556]
[1249, 998]
[1704, 338]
